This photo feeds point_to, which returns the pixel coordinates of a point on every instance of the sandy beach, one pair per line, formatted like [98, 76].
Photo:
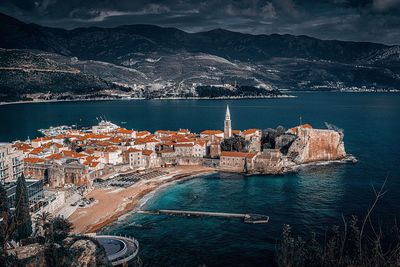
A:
[114, 202]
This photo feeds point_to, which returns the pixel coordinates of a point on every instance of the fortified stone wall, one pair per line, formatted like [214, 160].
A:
[270, 162]
[316, 145]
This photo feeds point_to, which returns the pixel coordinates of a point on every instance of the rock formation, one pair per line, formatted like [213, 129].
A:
[81, 251]
[316, 145]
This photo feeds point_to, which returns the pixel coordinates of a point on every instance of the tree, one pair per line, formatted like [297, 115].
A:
[7, 222]
[22, 216]
[42, 223]
[235, 143]
[60, 229]
[4, 214]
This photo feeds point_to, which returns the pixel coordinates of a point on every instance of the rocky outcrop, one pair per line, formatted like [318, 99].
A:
[80, 251]
[88, 253]
[316, 145]
[283, 142]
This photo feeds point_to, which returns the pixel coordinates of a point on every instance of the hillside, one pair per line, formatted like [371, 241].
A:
[152, 61]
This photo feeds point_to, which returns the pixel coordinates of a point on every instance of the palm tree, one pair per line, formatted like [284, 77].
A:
[42, 221]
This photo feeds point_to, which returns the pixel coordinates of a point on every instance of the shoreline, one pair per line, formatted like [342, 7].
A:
[125, 201]
[114, 204]
[142, 98]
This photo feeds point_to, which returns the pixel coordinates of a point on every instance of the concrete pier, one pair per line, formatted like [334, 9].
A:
[247, 218]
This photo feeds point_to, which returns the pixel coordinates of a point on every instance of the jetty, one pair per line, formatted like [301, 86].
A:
[246, 217]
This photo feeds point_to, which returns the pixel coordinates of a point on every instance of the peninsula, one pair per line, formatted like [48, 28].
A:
[95, 175]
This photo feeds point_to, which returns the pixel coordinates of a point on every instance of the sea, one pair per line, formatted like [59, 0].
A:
[312, 200]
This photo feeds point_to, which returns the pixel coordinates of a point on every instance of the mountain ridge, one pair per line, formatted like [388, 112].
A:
[159, 61]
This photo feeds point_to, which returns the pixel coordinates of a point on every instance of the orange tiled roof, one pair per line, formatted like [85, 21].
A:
[201, 142]
[142, 133]
[37, 150]
[212, 132]
[124, 131]
[96, 136]
[305, 126]
[41, 139]
[22, 146]
[72, 154]
[131, 149]
[111, 149]
[147, 152]
[92, 164]
[33, 160]
[55, 156]
[250, 131]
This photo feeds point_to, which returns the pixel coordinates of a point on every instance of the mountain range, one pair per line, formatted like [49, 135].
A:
[152, 61]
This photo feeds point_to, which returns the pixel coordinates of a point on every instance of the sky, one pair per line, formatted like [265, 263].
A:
[353, 20]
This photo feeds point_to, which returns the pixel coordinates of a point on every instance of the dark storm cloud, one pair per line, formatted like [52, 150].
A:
[359, 20]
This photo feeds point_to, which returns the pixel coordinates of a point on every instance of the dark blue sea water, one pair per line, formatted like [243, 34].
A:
[311, 200]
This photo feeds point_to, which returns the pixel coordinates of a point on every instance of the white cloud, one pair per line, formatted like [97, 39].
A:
[268, 11]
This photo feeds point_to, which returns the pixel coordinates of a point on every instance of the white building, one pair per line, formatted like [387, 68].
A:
[11, 163]
[104, 127]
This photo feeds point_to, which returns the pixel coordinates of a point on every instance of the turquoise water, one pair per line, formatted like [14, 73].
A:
[311, 200]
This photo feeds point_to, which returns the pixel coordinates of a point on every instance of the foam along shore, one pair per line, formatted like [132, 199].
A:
[112, 203]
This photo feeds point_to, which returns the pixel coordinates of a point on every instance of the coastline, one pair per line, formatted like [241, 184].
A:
[112, 204]
[142, 98]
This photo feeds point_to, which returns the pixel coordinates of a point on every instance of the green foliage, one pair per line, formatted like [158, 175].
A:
[59, 229]
[235, 143]
[4, 214]
[351, 245]
[57, 255]
[238, 91]
[22, 216]
[42, 223]
[8, 260]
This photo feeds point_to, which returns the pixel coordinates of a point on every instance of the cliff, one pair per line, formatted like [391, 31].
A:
[316, 145]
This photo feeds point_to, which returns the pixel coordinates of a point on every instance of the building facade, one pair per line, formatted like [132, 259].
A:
[11, 163]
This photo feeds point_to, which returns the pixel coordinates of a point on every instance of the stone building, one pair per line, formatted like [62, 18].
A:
[237, 161]
[215, 148]
[150, 159]
[57, 173]
[271, 161]
[184, 150]
[134, 158]
[254, 137]
[11, 163]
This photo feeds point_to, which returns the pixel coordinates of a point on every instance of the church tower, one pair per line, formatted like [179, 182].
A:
[227, 124]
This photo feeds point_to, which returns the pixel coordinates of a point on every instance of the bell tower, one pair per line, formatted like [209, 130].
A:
[227, 124]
